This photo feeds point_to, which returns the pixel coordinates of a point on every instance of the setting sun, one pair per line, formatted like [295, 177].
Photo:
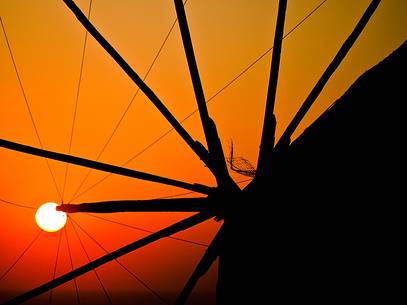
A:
[49, 219]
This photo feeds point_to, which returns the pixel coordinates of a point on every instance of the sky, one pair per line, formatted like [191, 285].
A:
[228, 36]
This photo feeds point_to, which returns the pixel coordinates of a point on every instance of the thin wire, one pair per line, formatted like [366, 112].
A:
[128, 106]
[28, 106]
[192, 192]
[76, 196]
[78, 89]
[55, 267]
[265, 53]
[94, 270]
[71, 261]
[17, 204]
[123, 266]
[177, 195]
[21, 255]
[131, 159]
[147, 231]
[127, 162]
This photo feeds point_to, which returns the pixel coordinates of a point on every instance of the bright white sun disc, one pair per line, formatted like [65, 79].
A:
[49, 219]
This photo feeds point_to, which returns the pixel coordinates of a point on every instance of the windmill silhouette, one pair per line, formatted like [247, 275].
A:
[293, 244]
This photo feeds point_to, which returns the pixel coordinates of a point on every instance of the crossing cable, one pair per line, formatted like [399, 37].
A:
[78, 300]
[17, 204]
[118, 124]
[197, 147]
[55, 267]
[179, 226]
[94, 270]
[123, 266]
[146, 231]
[21, 255]
[149, 231]
[28, 107]
[190, 193]
[234, 79]
[76, 100]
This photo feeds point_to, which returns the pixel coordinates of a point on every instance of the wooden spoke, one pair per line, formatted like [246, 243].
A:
[153, 205]
[269, 126]
[209, 127]
[203, 266]
[102, 166]
[177, 227]
[343, 51]
[197, 147]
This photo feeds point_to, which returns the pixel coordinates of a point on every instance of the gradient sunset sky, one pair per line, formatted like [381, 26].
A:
[228, 36]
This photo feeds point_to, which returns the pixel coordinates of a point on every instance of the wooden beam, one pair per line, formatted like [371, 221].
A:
[264, 163]
[197, 147]
[202, 268]
[209, 126]
[177, 227]
[103, 166]
[343, 51]
[153, 205]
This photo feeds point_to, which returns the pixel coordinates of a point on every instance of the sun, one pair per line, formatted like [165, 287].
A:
[49, 219]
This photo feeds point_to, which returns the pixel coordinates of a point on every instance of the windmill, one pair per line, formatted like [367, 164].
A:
[244, 267]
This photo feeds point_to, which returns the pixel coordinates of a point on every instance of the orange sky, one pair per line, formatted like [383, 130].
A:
[228, 36]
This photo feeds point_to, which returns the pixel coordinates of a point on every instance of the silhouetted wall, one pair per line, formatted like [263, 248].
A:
[326, 228]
